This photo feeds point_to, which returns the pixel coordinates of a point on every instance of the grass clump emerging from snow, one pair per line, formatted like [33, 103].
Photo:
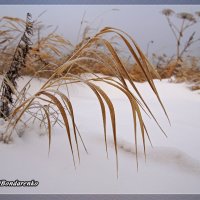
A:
[49, 97]
[55, 106]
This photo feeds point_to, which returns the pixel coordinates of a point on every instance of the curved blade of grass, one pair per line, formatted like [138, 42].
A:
[66, 99]
[143, 58]
[103, 111]
[111, 49]
[135, 109]
[49, 125]
[64, 116]
[112, 115]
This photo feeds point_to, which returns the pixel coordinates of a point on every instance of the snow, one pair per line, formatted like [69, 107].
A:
[172, 165]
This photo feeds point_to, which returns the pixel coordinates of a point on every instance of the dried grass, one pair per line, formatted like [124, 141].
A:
[49, 99]
[187, 71]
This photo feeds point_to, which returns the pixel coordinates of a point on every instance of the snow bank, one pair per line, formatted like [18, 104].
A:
[171, 166]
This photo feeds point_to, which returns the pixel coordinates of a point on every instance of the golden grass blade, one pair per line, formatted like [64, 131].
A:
[61, 40]
[56, 102]
[143, 58]
[112, 115]
[68, 102]
[54, 49]
[49, 125]
[61, 69]
[15, 19]
[64, 116]
[111, 49]
[135, 109]
[115, 56]
[103, 111]
[130, 95]
[149, 79]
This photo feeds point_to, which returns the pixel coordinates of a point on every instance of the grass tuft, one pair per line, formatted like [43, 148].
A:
[49, 99]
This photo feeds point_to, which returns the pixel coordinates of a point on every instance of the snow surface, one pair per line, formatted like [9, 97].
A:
[172, 165]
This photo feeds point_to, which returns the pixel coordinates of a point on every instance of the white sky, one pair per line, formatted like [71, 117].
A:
[143, 22]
